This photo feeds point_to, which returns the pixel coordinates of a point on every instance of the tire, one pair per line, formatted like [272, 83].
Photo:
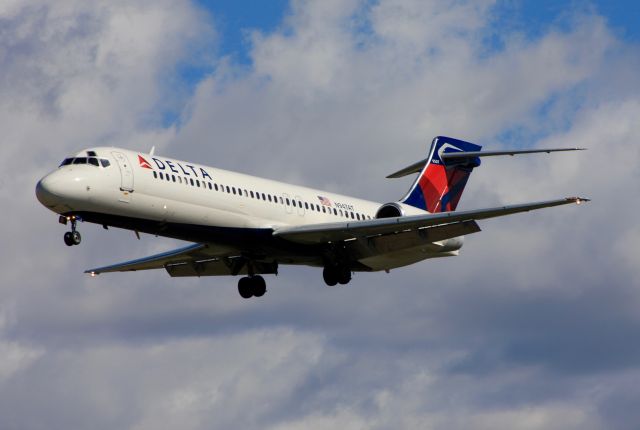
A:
[344, 276]
[245, 288]
[68, 240]
[330, 276]
[259, 286]
[76, 238]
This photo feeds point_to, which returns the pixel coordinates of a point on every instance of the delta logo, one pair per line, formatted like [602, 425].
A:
[173, 166]
[144, 163]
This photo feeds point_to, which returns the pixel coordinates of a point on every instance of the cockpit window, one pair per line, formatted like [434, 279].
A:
[94, 161]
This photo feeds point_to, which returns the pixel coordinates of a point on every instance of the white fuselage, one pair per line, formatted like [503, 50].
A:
[232, 211]
[175, 191]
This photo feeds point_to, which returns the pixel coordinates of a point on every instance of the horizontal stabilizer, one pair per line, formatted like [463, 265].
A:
[460, 155]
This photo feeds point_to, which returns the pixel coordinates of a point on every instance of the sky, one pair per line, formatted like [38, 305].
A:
[533, 326]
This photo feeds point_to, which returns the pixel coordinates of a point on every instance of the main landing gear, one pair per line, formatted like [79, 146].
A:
[336, 275]
[252, 286]
[72, 237]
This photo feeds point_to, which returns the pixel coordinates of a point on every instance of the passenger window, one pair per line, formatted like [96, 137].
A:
[155, 175]
[215, 186]
[306, 205]
[173, 178]
[179, 179]
[191, 182]
[335, 212]
[161, 175]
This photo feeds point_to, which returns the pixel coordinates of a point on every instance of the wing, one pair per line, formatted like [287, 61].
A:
[199, 259]
[440, 222]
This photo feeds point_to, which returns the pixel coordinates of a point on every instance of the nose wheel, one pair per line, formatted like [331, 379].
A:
[72, 237]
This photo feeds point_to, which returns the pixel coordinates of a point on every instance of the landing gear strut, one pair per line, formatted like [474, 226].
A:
[252, 286]
[72, 237]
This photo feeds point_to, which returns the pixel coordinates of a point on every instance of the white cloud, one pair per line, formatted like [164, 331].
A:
[512, 333]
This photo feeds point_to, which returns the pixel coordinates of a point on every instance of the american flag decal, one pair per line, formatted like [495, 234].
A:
[324, 201]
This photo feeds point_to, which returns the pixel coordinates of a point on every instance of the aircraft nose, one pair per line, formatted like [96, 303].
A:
[49, 190]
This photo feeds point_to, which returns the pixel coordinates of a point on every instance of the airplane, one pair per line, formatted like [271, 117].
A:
[250, 226]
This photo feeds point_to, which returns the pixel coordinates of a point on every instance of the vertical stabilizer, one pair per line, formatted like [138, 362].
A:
[439, 186]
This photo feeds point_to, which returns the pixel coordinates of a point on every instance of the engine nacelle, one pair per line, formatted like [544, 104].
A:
[397, 209]
[390, 210]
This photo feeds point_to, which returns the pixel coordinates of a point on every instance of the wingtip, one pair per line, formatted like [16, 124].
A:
[578, 200]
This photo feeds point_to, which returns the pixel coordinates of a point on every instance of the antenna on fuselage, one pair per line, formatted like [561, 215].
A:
[153, 150]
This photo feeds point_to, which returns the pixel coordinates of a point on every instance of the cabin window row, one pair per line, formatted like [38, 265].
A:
[259, 196]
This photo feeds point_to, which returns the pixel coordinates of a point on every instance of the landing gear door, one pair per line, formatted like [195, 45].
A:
[126, 172]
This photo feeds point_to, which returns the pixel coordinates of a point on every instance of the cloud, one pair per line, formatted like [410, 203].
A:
[531, 327]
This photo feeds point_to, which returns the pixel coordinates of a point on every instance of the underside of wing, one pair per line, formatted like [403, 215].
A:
[199, 259]
[341, 231]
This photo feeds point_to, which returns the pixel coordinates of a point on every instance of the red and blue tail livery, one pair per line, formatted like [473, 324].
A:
[441, 182]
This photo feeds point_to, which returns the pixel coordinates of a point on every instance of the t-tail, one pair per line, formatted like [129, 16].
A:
[444, 174]
[441, 182]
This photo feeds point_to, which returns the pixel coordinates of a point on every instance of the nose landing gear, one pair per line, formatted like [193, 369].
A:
[72, 237]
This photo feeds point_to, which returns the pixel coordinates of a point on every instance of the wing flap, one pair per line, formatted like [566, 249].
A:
[334, 232]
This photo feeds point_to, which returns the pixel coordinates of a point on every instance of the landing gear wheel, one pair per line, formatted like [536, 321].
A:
[68, 240]
[250, 286]
[245, 288]
[259, 286]
[76, 238]
[330, 276]
[344, 275]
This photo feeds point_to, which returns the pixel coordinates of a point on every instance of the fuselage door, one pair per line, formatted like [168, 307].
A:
[300, 205]
[126, 171]
[288, 204]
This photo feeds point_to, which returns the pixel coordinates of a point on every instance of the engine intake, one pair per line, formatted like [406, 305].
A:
[390, 210]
